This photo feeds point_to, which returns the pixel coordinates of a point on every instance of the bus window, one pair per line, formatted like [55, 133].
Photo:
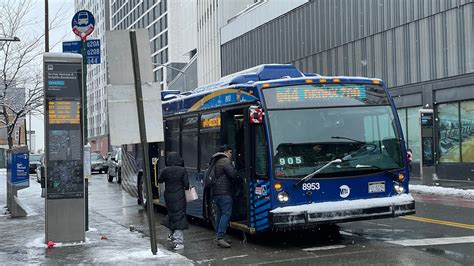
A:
[260, 152]
[189, 140]
[209, 137]
[172, 136]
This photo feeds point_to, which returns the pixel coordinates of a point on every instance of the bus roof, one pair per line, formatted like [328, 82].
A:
[247, 81]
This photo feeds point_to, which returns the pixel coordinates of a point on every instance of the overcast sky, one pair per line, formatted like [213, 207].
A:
[62, 33]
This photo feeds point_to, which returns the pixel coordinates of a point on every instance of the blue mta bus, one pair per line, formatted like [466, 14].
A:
[309, 149]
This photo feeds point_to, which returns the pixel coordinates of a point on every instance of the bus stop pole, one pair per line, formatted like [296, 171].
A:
[143, 138]
[84, 119]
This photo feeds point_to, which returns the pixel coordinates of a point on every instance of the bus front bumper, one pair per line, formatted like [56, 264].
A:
[341, 211]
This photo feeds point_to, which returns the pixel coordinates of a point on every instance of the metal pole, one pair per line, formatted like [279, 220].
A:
[29, 121]
[84, 88]
[144, 142]
[46, 27]
[185, 82]
[178, 70]
[84, 117]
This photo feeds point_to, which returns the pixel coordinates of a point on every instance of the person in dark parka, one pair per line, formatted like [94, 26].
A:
[176, 181]
[222, 191]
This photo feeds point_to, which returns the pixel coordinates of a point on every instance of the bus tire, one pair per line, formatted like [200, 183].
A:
[211, 212]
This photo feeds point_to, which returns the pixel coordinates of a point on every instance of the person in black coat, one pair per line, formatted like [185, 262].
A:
[222, 191]
[176, 181]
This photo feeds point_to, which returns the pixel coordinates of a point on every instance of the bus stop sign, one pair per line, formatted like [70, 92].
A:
[83, 24]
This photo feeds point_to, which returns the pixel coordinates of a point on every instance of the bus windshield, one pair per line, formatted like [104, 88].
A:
[363, 136]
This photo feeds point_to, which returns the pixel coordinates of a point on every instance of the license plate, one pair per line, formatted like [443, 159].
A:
[376, 187]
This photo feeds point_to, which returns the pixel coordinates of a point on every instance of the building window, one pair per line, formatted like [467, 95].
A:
[411, 130]
[467, 131]
[449, 132]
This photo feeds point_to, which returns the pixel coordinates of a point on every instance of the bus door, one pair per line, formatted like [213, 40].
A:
[234, 133]
[259, 185]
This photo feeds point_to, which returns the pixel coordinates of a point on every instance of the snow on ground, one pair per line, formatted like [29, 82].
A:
[135, 255]
[3, 211]
[444, 191]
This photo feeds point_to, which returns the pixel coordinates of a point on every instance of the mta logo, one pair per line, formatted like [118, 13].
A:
[344, 191]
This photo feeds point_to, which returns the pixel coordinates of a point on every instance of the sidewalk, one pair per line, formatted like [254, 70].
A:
[463, 189]
[22, 239]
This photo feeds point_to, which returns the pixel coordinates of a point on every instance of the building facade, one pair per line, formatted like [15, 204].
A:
[422, 49]
[212, 15]
[97, 115]
[172, 29]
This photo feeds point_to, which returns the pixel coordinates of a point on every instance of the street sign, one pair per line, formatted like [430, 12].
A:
[83, 24]
[18, 168]
[92, 50]
[72, 47]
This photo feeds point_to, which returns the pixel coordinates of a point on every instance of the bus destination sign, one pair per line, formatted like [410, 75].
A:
[305, 93]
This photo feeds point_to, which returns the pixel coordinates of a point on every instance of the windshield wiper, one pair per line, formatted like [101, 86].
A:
[374, 167]
[354, 140]
[308, 177]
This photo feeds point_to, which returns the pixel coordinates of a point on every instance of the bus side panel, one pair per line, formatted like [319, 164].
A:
[194, 208]
[259, 204]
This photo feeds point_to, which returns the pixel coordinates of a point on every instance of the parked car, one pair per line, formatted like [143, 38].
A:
[114, 162]
[38, 171]
[98, 163]
[36, 160]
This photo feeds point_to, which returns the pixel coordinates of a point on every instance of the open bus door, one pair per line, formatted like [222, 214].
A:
[245, 134]
[235, 132]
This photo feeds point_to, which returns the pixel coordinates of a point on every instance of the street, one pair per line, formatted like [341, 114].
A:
[441, 233]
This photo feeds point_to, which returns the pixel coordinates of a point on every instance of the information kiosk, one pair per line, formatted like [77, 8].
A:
[65, 220]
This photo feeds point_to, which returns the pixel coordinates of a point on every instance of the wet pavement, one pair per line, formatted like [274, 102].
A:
[113, 211]
[22, 239]
[358, 243]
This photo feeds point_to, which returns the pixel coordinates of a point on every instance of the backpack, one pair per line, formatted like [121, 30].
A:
[210, 178]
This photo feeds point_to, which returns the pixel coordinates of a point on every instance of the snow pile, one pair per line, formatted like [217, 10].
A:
[37, 243]
[141, 255]
[3, 211]
[347, 205]
[443, 191]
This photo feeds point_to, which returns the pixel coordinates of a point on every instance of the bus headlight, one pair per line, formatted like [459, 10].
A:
[283, 197]
[398, 188]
